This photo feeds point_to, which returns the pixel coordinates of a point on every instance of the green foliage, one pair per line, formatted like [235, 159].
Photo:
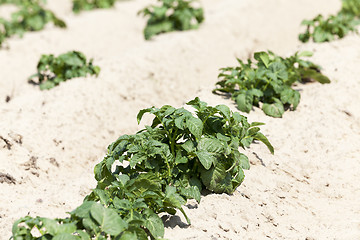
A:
[81, 5]
[351, 7]
[51, 71]
[337, 26]
[270, 82]
[156, 171]
[92, 220]
[49, 228]
[31, 16]
[326, 30]
[172, 15]
[180, 148]
[137, 200]
[89, 221]
[22, 2]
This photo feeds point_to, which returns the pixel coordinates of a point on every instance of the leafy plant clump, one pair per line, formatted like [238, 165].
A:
[322, 29]
[269, 82]
[172, 15]
[81, 5]
[156, 170]
[51, 71]
[184, 150]
[326, 30]
[351, 7]
[31, 16]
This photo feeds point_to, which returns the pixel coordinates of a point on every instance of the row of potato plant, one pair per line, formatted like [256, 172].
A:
[162, 166]
[322, 29]
[156, 171]
[77, 5]
[171, 15]
[268, 82]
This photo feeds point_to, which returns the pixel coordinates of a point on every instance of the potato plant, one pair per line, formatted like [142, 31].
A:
[351, 7]
[268, 82]
[337, 26]
[156, 171]
[326, 30]
[31, 16]
[171, 15]
[185, 150]
[85, 5]
[51, 70]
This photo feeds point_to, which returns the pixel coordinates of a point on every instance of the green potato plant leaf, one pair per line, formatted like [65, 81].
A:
[195, 126]
[171, 15]
[108, 219]
[153, 223]
[222, 178]
[275, 109]
[51, 71]
[268, 82]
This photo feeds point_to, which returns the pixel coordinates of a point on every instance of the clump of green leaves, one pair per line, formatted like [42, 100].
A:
[31, 16]
[122, 219]
[187, 151]
[269, 81]
[171, 15]
[81, 5]
[322, 29]
[351, 7]
[51, 70]
[156, 171]
[326, 30]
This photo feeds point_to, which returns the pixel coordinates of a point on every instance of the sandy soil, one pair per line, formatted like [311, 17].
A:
[51, 140]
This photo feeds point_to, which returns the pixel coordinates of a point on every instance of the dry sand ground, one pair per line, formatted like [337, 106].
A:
[308, 190]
